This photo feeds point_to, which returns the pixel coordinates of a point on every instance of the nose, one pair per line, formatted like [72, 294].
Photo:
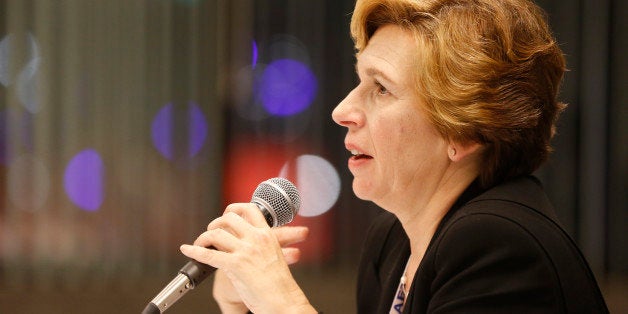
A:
[346, 113]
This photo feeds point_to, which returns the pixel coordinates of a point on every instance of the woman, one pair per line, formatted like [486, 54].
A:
[455, 108]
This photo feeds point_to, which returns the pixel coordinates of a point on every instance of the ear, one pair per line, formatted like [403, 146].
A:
[460, 151]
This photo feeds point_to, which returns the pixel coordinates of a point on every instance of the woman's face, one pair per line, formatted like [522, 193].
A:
[397, 155]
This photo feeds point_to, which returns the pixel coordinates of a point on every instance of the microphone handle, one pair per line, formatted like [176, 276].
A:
[189, 276]
[196, 272]
[193, 273]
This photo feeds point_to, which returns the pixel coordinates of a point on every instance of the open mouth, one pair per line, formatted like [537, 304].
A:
[357, 155]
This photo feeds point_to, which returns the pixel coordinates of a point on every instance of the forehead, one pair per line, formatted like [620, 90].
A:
[392, 51]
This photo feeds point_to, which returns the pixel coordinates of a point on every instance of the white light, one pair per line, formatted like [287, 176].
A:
[318, 183]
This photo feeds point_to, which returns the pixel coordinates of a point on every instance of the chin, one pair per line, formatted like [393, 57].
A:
[361, 190]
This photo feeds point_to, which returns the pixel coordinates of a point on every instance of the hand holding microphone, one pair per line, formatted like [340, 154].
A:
[225, 294]
[250, 254]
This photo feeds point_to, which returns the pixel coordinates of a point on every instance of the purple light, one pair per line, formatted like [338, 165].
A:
[161, 131]
[197, 129]
[287, 87]
[255, 52]
[83, 180]
[164, 125]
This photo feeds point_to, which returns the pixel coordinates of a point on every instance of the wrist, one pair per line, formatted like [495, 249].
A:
[299, 304]
[293, 302]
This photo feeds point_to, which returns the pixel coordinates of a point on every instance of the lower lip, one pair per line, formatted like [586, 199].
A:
[355, 162]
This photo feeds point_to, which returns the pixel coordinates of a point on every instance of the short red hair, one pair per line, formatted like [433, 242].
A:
[488, 71]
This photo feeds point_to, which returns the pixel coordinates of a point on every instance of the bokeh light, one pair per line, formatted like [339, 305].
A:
[165, 124]
[26, 86]
[317, 181]
[286, 46]
[16, 133]
[245, 104]
[248, 162]
[26, 77]
[281, 85]
[197, 129]
[287, 87]
[161, 131]
[319, 186]
[30, 182]
[254, 54]
[84, 180]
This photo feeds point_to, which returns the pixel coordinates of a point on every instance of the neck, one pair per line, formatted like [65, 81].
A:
[421, 218]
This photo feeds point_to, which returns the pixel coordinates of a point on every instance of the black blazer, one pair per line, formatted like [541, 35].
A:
[496, 251]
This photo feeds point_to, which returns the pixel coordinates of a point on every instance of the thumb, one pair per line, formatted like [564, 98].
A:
[291, 255]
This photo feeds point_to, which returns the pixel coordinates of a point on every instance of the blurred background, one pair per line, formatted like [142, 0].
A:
[126, 126]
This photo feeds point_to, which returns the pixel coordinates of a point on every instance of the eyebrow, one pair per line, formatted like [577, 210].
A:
[371, 71]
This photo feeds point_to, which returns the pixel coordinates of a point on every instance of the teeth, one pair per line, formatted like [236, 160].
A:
[355, 152]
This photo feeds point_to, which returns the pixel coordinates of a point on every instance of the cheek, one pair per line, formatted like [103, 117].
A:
[414, 140]
[391, 146]
[398, 137]
[390, 131]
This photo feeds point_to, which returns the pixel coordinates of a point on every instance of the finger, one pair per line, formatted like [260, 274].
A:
[218, 239]
[211, 257]
[250, 212]
[230, 222]
[291, 234]
[291, 255]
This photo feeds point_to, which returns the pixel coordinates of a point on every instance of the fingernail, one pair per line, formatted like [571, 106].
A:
[184, 248]
[305, 230]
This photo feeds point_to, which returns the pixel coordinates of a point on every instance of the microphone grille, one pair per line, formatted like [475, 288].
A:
[282, 197]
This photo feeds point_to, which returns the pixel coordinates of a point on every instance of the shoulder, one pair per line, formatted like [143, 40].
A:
[504, 217]
[507, 214]
[503, 225]
[480, 238]
[505, 250]
[482, 260]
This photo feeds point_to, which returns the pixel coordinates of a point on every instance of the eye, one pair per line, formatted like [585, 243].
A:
[381, 89]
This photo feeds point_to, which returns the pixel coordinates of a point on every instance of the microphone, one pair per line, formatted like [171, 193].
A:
[278, 200]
